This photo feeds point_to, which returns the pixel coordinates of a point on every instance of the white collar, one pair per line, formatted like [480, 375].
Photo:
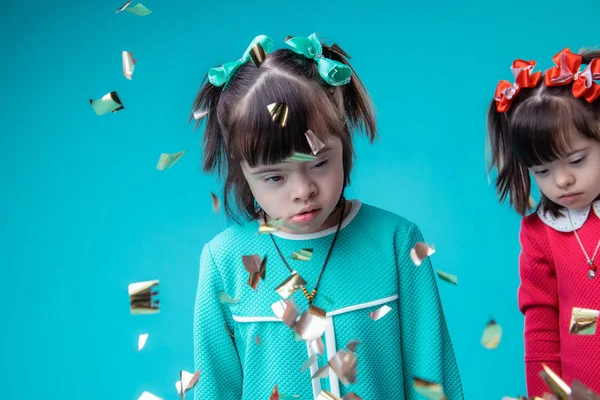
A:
[563, 224]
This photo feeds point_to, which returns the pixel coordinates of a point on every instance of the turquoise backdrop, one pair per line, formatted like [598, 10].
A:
[85, 212]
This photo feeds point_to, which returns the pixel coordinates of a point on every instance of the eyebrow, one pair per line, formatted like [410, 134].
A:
[577, 151]
[275, 169]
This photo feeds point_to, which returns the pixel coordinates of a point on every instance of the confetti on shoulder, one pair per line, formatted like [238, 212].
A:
[431, 390]
[167, 160]
[139, 9]
[420, 252]
[453, 279]
[300, 157]
[110, 102]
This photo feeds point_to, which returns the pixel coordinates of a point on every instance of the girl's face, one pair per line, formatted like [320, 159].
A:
[574, 180]
[304, 194]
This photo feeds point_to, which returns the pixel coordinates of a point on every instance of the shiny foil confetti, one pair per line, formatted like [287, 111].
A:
[142, 339]
[310, 327]
[317, 346]
[380, 313]
[300, 157]
[257, 340]
[582, 392]
[453, 279]
[110, 102]
[229, 331]
[148, 396]
[279, 308]
[215, 203]
[124, 6]
[316, 311]
[279, 113]
[420, 252]
[186, 380]
[558, 387]
[351, 396]
[139, 9]
[273, 225]
[311, 360]
[290, 316]
[313, 141]
[302, 254]
[256, 267]
[143, 297]
[258, 55]
[351, 346]
[322, 372]
[343, 365]
[274, 394]
[431, 390]
[325, 395]
[492, 334]
[167, 160]
[290, 285]
[583, 321]
[199, 114]
[128, 64]
[226, 299]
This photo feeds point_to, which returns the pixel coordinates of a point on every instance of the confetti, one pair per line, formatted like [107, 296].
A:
[380, 313]
[128, 64]
[351, 346]
[290, 316]
[279, 308]
[302, 254]
[279, 113]
[322, 372]
[257, 340]
[453, 279]
[273, 225]
[311, 360]
[256, 267]
[327, 299]
[274, 394]
[431, 390]
[491, 335]
[215, 203]
[319, 312]
[300, 157]
[143, 297]
[139, 9]
[188, 380]
[229, 331]
[325, 395]
[142, 341]
[124, 6]
[583, 321]
[310, 327]
[420, 252]
[317, 346]
[258, 55]
[582, 392]
[343, 365]
[558, 387]
[167, 160]
[313, 141]
[148, 396]
[110, 102]
[199, 114]
[351, 396]
[226, 299]
[290, 285]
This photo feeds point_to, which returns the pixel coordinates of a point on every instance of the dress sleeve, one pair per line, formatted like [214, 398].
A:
[427, 351]
[215, 353]
[538, 301]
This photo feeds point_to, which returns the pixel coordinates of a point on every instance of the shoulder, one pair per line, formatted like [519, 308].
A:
[533, 232]
[385, 222]
[236, 237]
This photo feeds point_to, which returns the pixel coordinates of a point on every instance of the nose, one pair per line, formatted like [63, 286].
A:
[304, 188]
[563, 178]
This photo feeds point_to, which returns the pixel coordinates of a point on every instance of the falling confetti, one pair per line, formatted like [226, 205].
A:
[215, 203]
[256, 268]
[167, 160]
[110, 102]
[310, 327]
[558, 387]
[380, 313]
[313, 141]
[128, 64]
[258, 55]
[226, 299]
[431, 390]
[187, 380]
[279, 308]
[290, 315]
[322, 372]
[351, 346]
[582, 392]
[420, 252]
[583, 321]
[300, 157]
[274, 394]
[258, 342]
[317, 346]
[302, 254]
[311, 360]
[143, 297]
[351, 396]
[491, 335]
[142, 341]
[290, 285]
[325, 395]
[453, 279]
[124, 6]
[343, 365]
[279, 113]
[199, 114]
[148, 396]
[139, 9]
[273, 225]
[229, 331]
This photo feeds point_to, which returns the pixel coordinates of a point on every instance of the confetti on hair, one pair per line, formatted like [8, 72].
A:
[492, 334]
[420, 252]
[315, 144]
[128, 64]
[279, 113]
[258, 55]
[167, 160]
[215, 203]
[199, 114]
[300, 157]
[110, 102]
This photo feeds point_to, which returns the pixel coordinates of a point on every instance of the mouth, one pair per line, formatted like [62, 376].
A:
[306, 215]
[570, 197]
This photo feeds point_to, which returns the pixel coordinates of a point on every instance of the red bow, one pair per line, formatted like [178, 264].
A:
[506, 91]
[567, 71]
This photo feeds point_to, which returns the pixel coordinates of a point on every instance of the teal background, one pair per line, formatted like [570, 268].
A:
[85, 212]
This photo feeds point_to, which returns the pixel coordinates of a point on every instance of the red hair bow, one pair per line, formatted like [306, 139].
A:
[506, 91]
[567, 71]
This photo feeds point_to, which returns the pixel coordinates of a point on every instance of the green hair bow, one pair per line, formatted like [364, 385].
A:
[333, 72]
[220, 76]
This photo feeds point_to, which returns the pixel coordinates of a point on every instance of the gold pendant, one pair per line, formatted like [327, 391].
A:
[316, 311]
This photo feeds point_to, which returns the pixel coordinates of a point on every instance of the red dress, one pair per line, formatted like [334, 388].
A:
[554, 280]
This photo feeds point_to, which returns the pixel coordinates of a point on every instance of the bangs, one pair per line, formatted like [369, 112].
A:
[542, 128]
[259, 140]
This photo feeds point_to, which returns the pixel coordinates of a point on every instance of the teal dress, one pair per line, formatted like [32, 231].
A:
[370, 267]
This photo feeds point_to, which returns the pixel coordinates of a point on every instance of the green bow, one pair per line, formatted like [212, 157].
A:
[333, 72]
[220, 76]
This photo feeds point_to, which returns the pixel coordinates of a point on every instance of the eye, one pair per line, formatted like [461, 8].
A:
[541, 172]
[320, 164]
[578, 161]
[273, 179]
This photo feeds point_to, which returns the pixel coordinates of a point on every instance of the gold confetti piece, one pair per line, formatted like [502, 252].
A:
[229, 331]
[139, 9]
[319, 312]
[288, 37]
[380, 313]
[215, 203]
[188, 380]
[273, 225]
[300, 157]
[290, 316]
[256, 267]
[531, 202]
[110, 102]
[258, 342]
[491, 335]
[148, 396]
[431, 390]
[325, 395]
[311, 360]
[420, 252]
[351, 346]
[453, 279]
[124, 6]
[582, 392]
[128, 64]
[317, 346]
[279, 308]
[351, 396]
[290, 285]
[258, 55]
[322, 372]
[199, 114]
[558, 387]
[167, 160]
[279, 113]
[226, 299]
[274, 394]
[343, 365]
[310, 327]
[142, 341]
[302, 254]
[313, 141]
[143, 297]
[583, 321]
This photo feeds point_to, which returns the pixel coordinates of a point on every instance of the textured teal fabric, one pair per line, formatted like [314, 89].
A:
[370, 262]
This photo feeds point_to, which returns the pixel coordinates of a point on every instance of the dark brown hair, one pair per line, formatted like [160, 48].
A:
[536, 130]
[239, 126]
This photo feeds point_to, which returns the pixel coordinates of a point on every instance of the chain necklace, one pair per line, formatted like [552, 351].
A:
[590, 261]
[311, 296]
